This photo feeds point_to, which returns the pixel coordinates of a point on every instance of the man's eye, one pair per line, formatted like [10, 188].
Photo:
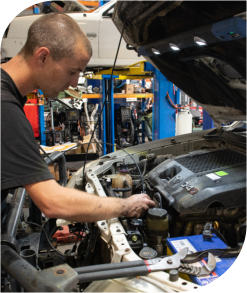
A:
[72, 73]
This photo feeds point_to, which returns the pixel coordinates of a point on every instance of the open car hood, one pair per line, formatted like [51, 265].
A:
[213, 75]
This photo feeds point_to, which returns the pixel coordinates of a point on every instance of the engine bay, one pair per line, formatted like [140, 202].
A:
[188, 193]
[198, 184]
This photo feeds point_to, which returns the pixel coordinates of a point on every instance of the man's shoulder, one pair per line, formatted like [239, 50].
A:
[9, 92]
[6, 93]
[8, 96]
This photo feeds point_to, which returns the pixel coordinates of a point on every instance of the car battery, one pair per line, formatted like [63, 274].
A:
[196, 243]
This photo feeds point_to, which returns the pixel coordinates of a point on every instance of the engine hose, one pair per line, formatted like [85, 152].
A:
[241, 237]
[230, 234]
[129, 188]
[157, 197]
[90, 247]
[145, 169]
[151, 164]
[219, 235]
[149, 187]
[170, 199]
[108, 190]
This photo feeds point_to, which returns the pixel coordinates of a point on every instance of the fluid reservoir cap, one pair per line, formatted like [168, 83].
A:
[159, 213]
[148, 253]
[123, 167]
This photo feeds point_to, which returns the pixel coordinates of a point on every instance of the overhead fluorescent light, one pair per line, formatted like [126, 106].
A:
[156, 52]
[200, 41]
[174, 47]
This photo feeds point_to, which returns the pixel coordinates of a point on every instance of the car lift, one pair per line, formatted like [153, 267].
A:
[134, 71]
[162, 108]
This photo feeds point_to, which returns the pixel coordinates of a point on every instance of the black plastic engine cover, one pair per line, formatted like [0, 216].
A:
[190, 183]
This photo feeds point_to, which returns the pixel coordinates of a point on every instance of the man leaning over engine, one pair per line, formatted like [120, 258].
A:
[56, 51]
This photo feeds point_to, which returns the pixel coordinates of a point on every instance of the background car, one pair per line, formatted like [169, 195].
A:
[98, 27]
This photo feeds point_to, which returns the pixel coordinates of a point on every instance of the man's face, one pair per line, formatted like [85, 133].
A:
[57, 76]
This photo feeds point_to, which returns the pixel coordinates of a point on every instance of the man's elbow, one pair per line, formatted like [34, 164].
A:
[47, 209]
[49, 213]
[45, 195]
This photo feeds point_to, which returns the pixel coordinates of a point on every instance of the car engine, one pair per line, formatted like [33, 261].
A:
[188, 194]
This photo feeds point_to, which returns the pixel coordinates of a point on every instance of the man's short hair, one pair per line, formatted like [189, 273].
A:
[57, 32]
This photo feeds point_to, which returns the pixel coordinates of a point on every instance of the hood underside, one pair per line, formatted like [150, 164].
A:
[213, 75]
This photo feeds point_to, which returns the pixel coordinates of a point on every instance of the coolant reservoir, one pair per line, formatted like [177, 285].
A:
[157, 227]
[122, 176]
[157, 223]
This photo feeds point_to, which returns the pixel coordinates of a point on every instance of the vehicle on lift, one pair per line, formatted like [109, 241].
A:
[197, 180]
[97, 25]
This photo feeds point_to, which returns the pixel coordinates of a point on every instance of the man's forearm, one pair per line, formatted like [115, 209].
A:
[74, 205]
[79, 206]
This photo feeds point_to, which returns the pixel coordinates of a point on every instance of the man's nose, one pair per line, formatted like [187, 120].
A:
[74, 80]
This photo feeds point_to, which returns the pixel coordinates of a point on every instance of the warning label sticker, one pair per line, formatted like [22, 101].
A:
[213, 176]
[182, 243]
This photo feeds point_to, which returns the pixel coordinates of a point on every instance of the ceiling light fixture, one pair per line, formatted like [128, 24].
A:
[200, 41]
[156, 52]
[174, 47]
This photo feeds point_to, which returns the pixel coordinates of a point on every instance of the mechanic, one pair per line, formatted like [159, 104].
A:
[147, 117]
[55, 52]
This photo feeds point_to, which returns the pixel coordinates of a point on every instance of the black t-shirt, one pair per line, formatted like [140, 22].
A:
[21, 162]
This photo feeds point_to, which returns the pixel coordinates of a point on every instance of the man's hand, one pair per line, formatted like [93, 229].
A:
[138, 205]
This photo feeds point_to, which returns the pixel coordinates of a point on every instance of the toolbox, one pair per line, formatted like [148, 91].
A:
[196, 243]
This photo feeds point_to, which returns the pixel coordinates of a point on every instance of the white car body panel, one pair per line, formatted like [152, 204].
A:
[90, 25]
[109, 38]
[100, 30]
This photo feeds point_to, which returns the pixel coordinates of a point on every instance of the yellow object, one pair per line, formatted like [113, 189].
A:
[134, 71]
[117, 96]
[216, 225]
[41, 102]
[134, 238]
[32, 96]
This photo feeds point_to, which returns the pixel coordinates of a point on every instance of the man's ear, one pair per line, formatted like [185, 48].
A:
[41, 56]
